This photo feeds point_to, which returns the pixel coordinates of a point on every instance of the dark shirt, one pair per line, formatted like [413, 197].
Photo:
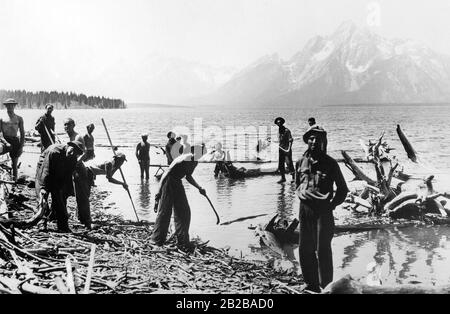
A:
[49, 122]
[319, 176]
[142, 151]
[285, 138]
[54, 169]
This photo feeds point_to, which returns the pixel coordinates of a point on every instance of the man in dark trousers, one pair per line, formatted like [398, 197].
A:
[284, 150]
[46, 128]
[316, 173]
[172, 196]
[54, 176]
[143, 156]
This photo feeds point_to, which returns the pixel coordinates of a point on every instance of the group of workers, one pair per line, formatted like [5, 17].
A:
[61, 172]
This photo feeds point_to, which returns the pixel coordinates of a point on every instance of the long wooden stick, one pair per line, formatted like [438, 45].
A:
[215, 212]
[120, 169]
[48, 134]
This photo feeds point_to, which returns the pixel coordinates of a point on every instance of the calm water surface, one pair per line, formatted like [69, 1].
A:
[406, 255]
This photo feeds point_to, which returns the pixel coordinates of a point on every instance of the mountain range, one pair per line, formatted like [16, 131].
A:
[354, 65]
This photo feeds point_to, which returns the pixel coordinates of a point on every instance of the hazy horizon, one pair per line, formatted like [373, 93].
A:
[104, 47]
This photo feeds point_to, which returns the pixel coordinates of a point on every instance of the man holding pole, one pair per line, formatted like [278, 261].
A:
[171, 195]
[45, 125]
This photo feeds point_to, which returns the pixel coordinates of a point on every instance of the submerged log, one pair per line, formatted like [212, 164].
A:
[348, 285]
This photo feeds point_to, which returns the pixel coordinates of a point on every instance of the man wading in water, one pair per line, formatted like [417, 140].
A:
[284, 150]
[316, 174]
[143, 156]
[171, 194]
[9, 128]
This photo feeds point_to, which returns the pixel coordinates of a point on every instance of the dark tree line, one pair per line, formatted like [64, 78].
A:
[64, 100]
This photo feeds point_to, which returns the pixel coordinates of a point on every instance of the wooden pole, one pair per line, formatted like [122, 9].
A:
[120, 169]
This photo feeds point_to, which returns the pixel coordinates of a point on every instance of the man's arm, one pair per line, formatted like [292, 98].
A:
[341, 187]
[297, 176]
[22, 135]
[109, 176]
[137, 150]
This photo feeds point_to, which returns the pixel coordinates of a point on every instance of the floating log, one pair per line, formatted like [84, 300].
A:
[407, 145]
[348, 285]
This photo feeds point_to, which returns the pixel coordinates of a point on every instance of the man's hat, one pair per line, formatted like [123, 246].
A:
[10, 101]
[144, 135]
[279, 119]
[77, 145]
[315, 129]
[120, 156]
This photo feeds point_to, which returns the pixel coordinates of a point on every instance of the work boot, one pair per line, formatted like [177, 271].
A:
[282, 180]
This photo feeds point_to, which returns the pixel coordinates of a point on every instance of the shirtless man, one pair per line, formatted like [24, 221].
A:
[69, 125]
[9, 128]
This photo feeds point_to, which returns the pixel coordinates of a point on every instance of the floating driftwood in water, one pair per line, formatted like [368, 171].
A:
[241, 219]
[348, 285]
[287, 232]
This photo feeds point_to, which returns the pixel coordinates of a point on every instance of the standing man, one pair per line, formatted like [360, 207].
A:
[69, 127]
[54, 176]
[89, 142]
[46, 128]
[169, 145]
[143, 156]
[172, 196]
[285, 149]
[9, 128]
[316, 174]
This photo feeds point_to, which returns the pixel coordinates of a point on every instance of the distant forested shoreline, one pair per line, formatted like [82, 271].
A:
[61, 100]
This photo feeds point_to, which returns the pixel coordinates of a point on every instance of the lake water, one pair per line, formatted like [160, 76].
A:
[405, 255]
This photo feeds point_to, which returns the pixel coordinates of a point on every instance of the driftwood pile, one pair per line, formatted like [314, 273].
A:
[381, 197]
[116, 257]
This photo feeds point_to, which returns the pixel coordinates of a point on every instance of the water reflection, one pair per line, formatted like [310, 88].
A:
[405, 254]
[285, 200]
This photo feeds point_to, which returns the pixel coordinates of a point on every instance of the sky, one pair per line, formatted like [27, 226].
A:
[68, 45]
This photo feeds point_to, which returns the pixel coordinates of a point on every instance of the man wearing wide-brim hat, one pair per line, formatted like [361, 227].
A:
[9, 128]
[316, 175]
[54, 172]
[285, 149]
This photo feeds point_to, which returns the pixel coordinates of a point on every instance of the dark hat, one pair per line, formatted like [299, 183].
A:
[314, 129]
[10, 101]
[77, 145]
[120, 156]
[279, 119]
